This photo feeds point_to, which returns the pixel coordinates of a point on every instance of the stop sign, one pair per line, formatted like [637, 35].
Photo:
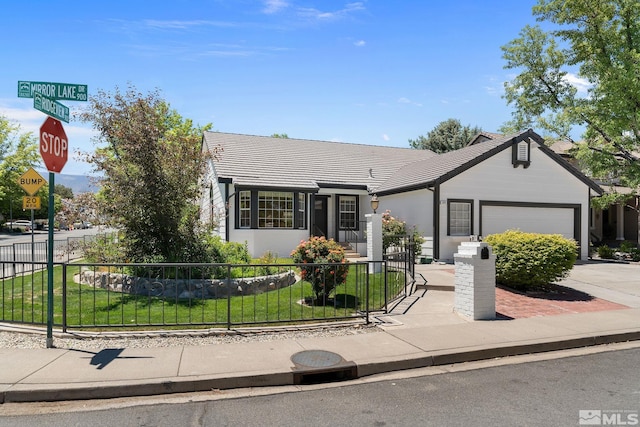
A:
[54, 146]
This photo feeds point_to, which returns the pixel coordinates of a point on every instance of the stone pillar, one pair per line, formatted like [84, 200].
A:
[374, 242]
[620, 221]
[475, 281]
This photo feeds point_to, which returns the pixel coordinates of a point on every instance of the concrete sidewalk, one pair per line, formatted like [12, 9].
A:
[428, 334]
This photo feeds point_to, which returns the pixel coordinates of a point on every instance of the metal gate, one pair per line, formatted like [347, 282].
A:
[400, 258]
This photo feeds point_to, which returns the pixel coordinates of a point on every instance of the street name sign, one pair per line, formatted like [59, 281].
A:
[31, 202]
[54, 146]
[31, 181]
[50, 107]
[59, 91]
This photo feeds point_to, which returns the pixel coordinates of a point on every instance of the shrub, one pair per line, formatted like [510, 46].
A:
[102, 249]
[605, 252]
[529, 261]
[394, 230]
[323, 279]
[627, 246]
[268, 259]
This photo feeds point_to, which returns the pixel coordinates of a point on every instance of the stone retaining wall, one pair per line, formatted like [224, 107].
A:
[182, 288]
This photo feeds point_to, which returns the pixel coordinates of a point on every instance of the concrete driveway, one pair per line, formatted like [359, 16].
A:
[613, 281]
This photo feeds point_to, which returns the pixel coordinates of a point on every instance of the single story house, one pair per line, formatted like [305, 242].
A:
[273, 193]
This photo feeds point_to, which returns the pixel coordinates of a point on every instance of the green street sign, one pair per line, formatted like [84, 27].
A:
[50, 107]
[60, 91]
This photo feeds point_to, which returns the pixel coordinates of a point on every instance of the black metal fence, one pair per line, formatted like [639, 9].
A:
[90, 296]
[21, 257]
[400, 258]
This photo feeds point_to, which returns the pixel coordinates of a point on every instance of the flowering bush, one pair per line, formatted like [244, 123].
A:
[394, 230]
[316, 251]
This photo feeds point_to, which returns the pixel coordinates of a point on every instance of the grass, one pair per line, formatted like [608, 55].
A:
[23, 299]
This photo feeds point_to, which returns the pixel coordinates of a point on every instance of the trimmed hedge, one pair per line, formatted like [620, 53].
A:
[530, 261]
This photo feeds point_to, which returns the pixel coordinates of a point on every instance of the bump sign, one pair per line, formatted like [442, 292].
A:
[31, 181]
[54, 145]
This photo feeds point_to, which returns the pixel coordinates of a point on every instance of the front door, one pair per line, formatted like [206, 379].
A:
[320, 216]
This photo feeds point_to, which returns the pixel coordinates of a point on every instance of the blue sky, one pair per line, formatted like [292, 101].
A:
[369, 72]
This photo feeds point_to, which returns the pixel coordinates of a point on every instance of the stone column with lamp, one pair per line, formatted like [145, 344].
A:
[374, 237]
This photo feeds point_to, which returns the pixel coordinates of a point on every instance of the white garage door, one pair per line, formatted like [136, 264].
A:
[496, 219]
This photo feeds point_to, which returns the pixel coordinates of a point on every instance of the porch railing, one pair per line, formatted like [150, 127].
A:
[355, 236]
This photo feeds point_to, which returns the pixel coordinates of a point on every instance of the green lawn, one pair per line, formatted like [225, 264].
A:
[23, 299]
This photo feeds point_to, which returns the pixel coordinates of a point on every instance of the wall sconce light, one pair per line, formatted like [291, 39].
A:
[374, 203]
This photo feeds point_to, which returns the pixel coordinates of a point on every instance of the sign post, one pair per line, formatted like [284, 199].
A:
[31, 182]
[54, 149]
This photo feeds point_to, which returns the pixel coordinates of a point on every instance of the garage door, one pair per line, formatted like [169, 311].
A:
[496, 219]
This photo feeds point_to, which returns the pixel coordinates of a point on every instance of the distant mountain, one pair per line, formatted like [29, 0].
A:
[77, 183]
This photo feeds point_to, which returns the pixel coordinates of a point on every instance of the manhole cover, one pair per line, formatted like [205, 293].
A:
[316, 358]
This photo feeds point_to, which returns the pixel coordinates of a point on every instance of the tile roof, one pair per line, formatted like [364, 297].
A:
[250, 160]
[259, 161]
[483, 136]
[421, 173]
[562, 147]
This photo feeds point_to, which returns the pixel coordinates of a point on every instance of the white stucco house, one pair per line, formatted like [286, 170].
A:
[272, 192]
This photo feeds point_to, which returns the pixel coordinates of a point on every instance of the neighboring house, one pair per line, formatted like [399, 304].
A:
[617, 222]
[274, 192]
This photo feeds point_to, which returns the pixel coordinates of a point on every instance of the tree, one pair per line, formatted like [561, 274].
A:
[152, 162]
[448, 135]
[583, 73]
[18, 152]
[63, 191]
[280, 135]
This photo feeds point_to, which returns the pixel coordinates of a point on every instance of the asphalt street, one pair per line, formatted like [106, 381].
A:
[556, 391]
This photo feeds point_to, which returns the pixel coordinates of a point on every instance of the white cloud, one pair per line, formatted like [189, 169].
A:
[274, 6]
[360, 43]
[582, 85]
[385, 137]
[404, 100]
[313, 13]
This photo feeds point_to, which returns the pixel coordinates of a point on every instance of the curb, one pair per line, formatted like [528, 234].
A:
[131, 389]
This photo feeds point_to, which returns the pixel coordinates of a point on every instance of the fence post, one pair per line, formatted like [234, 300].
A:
[374, 241]
[366, 293]
[228, 296]
[64, 297]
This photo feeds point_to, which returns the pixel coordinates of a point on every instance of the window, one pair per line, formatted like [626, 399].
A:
[275, 209]
[348, 213]
[244, 209]
[460, 220]
[301, 210]
[270, 209]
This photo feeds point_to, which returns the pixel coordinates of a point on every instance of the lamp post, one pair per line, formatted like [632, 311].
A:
[374, 203]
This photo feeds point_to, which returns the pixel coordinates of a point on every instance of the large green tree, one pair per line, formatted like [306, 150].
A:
[152, 162]
[448, 135]
[582, 72]
[18, 152]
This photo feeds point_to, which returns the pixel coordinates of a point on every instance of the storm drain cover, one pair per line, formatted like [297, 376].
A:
[317, 358]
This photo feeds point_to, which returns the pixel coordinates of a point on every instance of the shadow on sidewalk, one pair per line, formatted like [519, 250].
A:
[106, 356]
